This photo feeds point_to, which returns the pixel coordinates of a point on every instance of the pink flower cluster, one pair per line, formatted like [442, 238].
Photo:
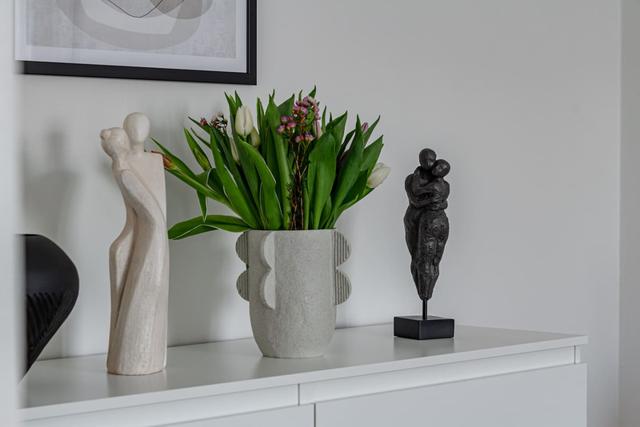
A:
[303, 122]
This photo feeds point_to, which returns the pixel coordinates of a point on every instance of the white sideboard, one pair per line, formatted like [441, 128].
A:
[483, 377]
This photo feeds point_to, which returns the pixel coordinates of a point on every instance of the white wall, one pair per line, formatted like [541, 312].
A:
[522, 98]
[8, 188]
[630, 212]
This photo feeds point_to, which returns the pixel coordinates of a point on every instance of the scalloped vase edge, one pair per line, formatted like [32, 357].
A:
[293, 286]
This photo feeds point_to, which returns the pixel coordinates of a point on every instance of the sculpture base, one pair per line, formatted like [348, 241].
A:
[417, 328]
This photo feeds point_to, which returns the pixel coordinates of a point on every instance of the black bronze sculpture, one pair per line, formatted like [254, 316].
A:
[426, 232]
[51, 282]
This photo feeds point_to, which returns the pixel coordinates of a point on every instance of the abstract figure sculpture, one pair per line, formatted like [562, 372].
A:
[426, 232]
[51, 284]
[139, 257]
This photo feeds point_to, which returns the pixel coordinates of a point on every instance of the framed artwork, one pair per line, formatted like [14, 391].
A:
[181, 40]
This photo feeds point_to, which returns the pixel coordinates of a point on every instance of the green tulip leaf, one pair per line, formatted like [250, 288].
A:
[197, 151]
[369, 131]
[268, 197]
[306, 201]
[233, 106]
[326, 216]
[199, 225]
[321, 176]
[214, 182]
[336, 127]
[370, 155]
[200, 125]
[202, 200]
[345, 144]
[183, 173]
[201, 139]
[351, 170]
[284, 169]
[224, 142]
[179, 164]
[236, 198]
[248, 169]
[286, 108]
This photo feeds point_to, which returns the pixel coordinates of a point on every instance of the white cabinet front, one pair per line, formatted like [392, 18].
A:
[300, 416]
[553, 397]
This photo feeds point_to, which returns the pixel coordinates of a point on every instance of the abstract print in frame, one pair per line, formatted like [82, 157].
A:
[182, 40]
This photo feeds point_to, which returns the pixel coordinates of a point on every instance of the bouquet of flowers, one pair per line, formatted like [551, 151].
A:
[294, 168]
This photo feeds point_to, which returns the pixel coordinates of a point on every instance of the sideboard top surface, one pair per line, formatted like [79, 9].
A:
[233, 366]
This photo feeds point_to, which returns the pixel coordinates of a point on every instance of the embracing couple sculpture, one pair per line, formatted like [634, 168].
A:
[426, 232]
[139, 257]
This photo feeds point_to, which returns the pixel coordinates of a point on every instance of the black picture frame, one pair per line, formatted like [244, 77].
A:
[249, 77]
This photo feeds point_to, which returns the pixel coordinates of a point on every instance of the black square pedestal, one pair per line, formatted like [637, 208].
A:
[417, 328]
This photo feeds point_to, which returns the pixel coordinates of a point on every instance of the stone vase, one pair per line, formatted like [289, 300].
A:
[293, 286]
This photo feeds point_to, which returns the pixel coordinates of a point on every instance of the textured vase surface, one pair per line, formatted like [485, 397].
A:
[293, 286]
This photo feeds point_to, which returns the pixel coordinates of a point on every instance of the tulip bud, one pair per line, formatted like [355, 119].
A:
[255, 137]
[378, 175]
[244, 122]
[318, 128]
[234, 150]
[166, 161]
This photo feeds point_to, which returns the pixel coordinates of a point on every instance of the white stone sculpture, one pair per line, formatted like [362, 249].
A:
[139, 257]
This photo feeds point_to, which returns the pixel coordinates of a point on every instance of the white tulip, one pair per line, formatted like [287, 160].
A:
[318, 128]
[255, 138]
[379, 173]
[244, 122]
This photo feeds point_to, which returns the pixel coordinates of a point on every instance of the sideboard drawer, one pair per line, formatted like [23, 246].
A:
[553, 397]
[299, 416]
[173, 411]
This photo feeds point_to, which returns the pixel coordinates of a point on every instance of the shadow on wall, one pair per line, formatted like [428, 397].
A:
[203, 270]
[199, 293]
[49, 192]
